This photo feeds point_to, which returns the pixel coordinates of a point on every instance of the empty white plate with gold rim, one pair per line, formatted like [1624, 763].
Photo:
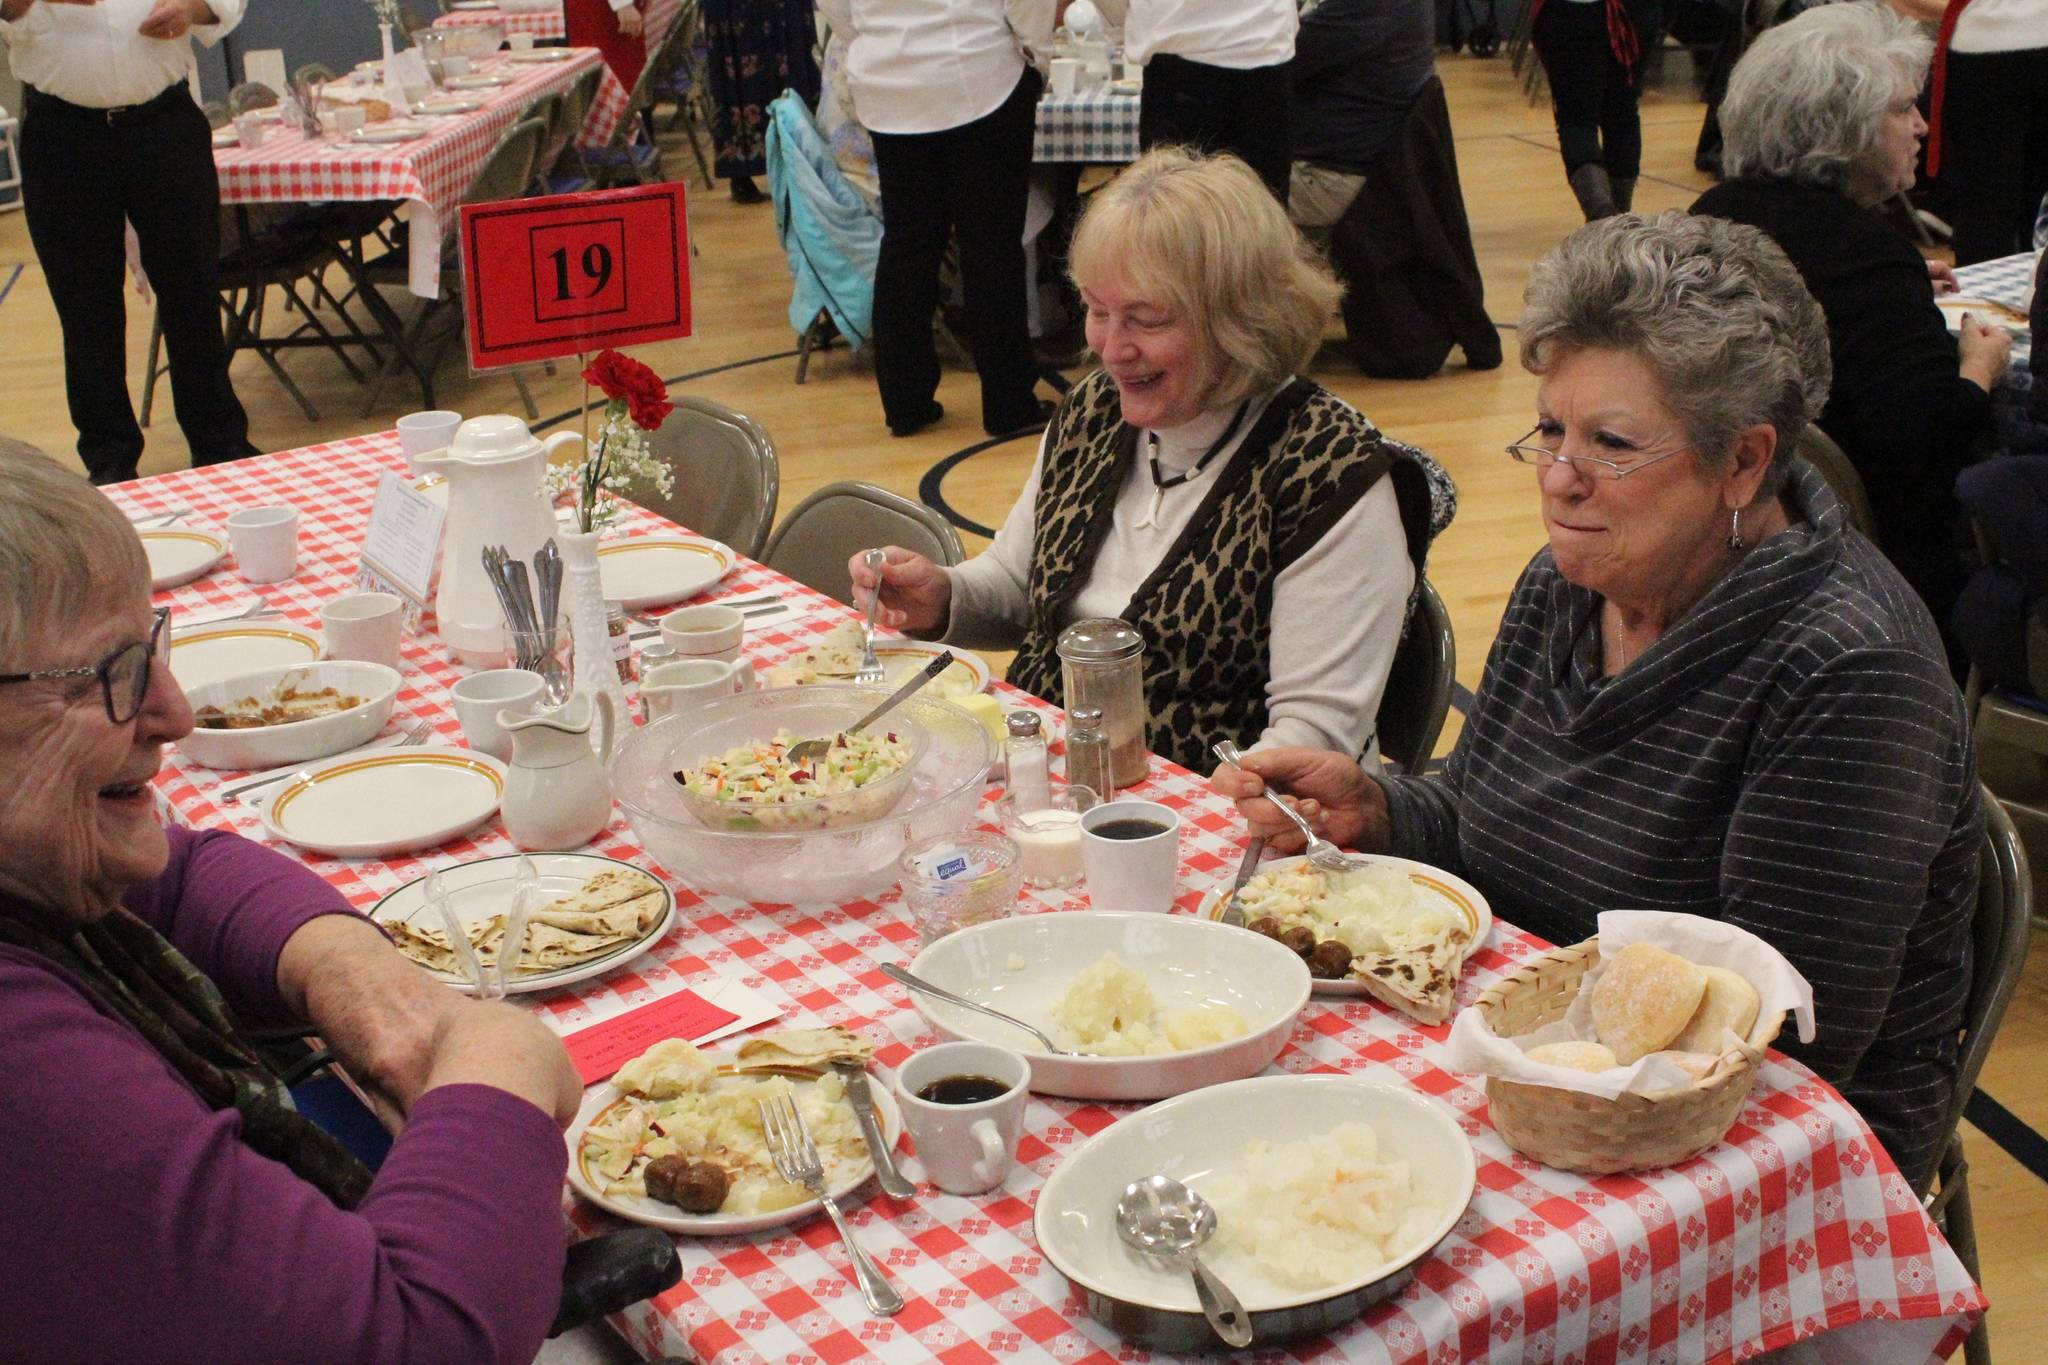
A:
[378, 133]
[390, 801]
[540, 55]
[646, 571]
[179, 554]
[448, 104]
[477, 82]
[226, 649]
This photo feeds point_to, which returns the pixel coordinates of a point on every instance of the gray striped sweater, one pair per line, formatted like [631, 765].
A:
[1791, 757]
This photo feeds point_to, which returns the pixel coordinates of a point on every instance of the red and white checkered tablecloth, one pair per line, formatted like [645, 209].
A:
[546, 23]
[429, 173]
[1797, 1225]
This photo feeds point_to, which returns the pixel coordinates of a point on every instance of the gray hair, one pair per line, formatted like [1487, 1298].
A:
[1808, 100]
[66, 552]
[1714, 308]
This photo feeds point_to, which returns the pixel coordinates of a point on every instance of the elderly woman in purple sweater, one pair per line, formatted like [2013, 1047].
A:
[163, 1199]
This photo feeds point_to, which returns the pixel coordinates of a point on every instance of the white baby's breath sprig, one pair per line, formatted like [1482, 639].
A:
[620, 463]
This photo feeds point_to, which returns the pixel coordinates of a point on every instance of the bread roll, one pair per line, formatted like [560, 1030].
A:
[1644, 999]
[1729, 1002]
[1694, 1064]
[1577, 1056]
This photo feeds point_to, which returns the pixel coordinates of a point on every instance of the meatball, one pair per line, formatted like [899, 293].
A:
[1302, 940]
[1331, 960]
[661, 1176]
[1266, 925]
[703, 1190]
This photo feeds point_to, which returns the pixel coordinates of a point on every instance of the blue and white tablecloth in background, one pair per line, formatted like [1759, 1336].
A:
[1099, 127]
[2004, 280]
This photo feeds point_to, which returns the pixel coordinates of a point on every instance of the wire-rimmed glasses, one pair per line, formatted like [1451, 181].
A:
[1592, 466]
[123, 675]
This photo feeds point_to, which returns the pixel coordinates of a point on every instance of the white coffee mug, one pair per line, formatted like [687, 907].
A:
[266, 541]
[674, 688]
[965, 1148]
[480, 697]
[364, 625]
[350, 118]
[1066, 74]
[519, 42]
[423, 433]
[710, 632]
[1131, 873]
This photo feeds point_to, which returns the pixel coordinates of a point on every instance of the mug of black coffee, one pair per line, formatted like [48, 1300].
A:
[964, 1106]
[1131, 852]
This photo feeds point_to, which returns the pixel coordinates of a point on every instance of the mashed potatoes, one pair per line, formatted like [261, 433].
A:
[1375, 908]
[1322, 1211]
[1110, 1011]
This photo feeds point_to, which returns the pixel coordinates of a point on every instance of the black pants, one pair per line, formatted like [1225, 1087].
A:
[1994, 136]
[971, 180]
[1592, 95]
[1219, 109]
[80, 177]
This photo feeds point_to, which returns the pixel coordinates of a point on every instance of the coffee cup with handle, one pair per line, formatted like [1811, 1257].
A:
[706, 632]
[681, 686]
[964, 1105]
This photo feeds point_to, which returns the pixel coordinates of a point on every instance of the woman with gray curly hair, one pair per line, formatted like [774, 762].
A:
[1820, 127]
[1707, 695]
[1259, 532]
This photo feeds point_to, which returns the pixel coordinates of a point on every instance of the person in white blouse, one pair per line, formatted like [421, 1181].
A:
[949, 95]
[1215, 76]
[1257, 530]
[109, 131]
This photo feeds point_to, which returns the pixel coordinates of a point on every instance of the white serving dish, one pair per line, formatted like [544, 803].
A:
[669, 1218]
[780, 867]
[384, 802]
[1186, 961]
[1195, 1137]
[227, 649]
[273, 746]
[483, 888]
[179, 554]
[647, 571]
[1432, 881]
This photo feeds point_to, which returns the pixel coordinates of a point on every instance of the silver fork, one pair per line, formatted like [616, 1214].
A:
[796, 1158]
[870, 671]
[1321, 852]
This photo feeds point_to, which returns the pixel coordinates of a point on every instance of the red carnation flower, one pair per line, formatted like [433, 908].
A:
[625, 380]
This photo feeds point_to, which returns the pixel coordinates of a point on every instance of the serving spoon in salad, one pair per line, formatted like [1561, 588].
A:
[809, 751]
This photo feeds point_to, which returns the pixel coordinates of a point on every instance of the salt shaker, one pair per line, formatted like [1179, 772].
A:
[1030, 782]
[1102, 665]
[1087, 749]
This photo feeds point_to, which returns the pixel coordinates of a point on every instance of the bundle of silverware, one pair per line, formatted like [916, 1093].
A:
[530, 624]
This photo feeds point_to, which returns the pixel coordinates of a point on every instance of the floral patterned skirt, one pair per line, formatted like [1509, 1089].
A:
[758, 48]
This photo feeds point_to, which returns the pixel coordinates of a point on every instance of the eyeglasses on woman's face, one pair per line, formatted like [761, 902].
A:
[1532, 451]
[123, 675]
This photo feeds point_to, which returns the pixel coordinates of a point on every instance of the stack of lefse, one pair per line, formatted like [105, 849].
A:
[1647, 1003]
[614, 908]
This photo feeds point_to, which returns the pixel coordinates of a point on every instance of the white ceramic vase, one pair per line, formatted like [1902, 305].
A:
[583, 597]
[394, 93]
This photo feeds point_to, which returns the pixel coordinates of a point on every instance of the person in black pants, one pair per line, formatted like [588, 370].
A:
[83, 171]
[1221, 109]
[1994, 118]
[970, 180]
[1592, 52]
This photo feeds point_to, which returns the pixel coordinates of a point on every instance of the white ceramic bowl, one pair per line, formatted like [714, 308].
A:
[1195, 1137]
[273, 746]
[1186, 961]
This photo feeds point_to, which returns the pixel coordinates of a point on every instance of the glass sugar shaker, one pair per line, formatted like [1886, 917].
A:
[1024, 750]
[1087, 749]
[1102, 665]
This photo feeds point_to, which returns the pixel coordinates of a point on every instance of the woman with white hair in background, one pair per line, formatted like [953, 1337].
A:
[1820, 127]
[1257, 530]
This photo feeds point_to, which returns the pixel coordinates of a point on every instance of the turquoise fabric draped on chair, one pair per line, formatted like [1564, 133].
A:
[831, 236]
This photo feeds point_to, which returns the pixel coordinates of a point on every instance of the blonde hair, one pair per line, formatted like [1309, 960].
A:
[1202, 236]
[66, 553]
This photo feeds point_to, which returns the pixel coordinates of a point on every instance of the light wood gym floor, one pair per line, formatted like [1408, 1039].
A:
[831, 428]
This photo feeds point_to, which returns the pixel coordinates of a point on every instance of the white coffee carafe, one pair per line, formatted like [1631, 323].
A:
[494, 467]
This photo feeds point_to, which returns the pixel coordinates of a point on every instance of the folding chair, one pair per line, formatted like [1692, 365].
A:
[727, 476]
[1418, 693]
[828, 528]
[1818, 449]
[684, 84]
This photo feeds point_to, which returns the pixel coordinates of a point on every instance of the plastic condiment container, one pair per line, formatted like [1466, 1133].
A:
[1048, 838]
[1102, 664]
[953, 880]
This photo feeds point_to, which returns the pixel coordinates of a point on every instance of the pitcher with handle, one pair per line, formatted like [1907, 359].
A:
[557, 796]
[494, 467]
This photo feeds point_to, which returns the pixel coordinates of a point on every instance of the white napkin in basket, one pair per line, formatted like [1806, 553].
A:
[1476, 1050]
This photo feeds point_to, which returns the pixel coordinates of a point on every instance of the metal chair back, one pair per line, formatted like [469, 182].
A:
[1418, 693]
[1818, 449]
[508, 170]
[727, 476]
[251, 95]
[815, 541]
[1999, 933]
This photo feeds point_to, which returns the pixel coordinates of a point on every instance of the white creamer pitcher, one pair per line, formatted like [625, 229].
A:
[557, 796]
[494, 467]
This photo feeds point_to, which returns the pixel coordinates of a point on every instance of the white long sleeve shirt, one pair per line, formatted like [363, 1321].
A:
[1243, 35]
[923, 66]
[1336, 614]
[95, 55]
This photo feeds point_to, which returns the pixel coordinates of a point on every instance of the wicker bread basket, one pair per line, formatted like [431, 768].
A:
[1588, 1133]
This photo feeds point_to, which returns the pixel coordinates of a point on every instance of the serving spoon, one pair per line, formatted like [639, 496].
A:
[809, 751]
[1162, 1217]
[924, 987]
[1321, 852]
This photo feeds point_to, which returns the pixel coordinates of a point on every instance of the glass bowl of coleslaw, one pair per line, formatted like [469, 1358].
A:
[752, 783]
[840, 845]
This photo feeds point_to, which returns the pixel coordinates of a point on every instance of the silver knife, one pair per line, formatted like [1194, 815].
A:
[855, 1077]
[1231, 913]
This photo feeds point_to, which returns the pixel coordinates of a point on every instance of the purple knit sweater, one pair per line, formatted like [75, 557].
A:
[138, 1227]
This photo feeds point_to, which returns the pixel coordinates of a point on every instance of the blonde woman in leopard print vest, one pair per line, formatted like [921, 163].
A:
[1263, 536]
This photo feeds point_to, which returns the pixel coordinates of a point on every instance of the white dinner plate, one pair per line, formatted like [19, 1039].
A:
[1432, 881]
[479, 890]
[390, 801]
[447, 104]
[967, 675]
[647, 571]
[179, 554]
[226, 649]
[668, 1217]
[1197, 1137]
[540, 55]
[226, 137]
[380, 133]
[479, 82]
[474, 4]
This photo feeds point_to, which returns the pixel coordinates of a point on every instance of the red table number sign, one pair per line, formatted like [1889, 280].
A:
[574, 273]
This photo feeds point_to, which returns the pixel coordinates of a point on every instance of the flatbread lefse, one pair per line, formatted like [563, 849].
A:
[613, 908]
